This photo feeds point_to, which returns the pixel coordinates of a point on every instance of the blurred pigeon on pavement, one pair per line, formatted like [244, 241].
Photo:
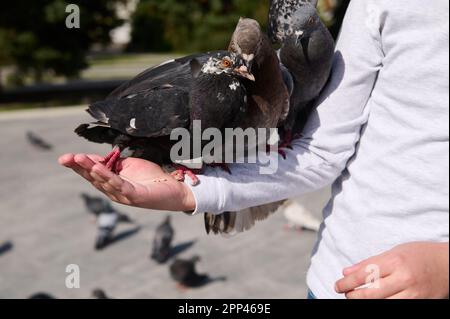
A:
[97, 205]
[41, 295]
[99, 294]
[184, 273]
[5, 247]
[106, 223]
[162, 242]
[38, 142]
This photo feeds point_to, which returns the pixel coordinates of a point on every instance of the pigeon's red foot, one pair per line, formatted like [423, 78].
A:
[222, 166]
[286, 143]
[111, 161]
[182, 288]
[181, 171]
[279, 150]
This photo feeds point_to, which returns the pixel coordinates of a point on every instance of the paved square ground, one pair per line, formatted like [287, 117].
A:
[43, 216]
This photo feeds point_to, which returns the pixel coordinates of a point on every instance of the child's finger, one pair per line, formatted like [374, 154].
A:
[84, 161]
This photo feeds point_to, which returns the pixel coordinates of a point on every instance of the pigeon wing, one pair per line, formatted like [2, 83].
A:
[174, 72]
[237, 222]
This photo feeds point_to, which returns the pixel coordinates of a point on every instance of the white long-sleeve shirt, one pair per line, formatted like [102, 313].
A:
[380, 133]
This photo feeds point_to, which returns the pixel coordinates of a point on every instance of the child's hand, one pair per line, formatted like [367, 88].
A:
[415, 270]
[140, 183]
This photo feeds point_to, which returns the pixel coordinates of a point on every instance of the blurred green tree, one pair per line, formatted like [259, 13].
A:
[190, 25]
[34, 36]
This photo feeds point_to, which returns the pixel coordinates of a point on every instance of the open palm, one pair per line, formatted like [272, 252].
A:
[140, 183]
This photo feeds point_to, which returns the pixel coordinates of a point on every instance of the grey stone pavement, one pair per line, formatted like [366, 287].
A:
[43, 216]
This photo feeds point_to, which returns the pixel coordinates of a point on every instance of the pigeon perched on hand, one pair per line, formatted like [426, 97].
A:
[38, 141]
[184, 273]
[139, 117]
[162, 242]
[307, 50]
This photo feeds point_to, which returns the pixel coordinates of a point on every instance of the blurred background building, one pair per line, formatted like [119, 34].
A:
[42, 63]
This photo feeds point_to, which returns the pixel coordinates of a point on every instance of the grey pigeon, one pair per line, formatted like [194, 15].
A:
[307, 50]
[184, 273]
[162, 241]
[97, 205]
[106, 223]
[38, 141]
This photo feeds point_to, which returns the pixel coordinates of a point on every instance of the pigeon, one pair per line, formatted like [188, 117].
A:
[38, 142]
[106, 223]
[138, 117]
[99, 294]
[268, 95]
[41, 295]
[162, 242]
[97, 205]
[268, 106]
[307, 51]
[6, 247]
[184, 273]
[306, 56]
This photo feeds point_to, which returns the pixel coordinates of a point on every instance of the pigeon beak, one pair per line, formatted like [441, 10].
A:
[300, 37]
[304, 41]
[243, 71]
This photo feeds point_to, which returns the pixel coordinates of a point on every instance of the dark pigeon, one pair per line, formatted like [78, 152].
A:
[99, 294]
[41, 295]
[184, 273]
[139, 116]
[307, 50]
[6, 247]
[38, 141]
[161, 250]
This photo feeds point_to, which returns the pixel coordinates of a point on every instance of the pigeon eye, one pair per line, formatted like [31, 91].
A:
[311, 20]
[226, 63]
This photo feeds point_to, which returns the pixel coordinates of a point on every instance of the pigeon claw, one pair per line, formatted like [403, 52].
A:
[180, 174]
[279, 150]
[222, 166]
[282, 153]
[111, 161]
